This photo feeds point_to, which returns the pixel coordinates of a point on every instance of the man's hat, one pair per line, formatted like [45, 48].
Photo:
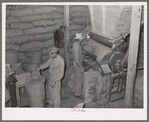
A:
[53, 50]
[79, 36]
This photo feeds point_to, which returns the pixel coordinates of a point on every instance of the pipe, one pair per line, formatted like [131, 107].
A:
[90, 55]
[138, 68]
[101, 39]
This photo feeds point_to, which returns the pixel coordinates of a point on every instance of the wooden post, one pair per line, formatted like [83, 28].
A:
[66, 35]
[133, 52]
[91, 17]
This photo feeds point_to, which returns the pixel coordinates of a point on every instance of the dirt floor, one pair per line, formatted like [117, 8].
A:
[68, 100]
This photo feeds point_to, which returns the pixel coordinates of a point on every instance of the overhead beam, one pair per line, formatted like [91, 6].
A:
[132, 57]
[66, 35]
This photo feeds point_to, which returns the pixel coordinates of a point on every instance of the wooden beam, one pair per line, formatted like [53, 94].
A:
[132, 58]
[66, 35]
[91, 17]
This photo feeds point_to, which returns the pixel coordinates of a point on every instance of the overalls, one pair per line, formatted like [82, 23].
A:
[79, 76]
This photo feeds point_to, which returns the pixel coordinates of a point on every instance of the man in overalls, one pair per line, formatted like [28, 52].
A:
[56, 70]
[78, 57]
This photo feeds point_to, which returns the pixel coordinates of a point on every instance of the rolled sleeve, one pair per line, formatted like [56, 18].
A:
[47, 64]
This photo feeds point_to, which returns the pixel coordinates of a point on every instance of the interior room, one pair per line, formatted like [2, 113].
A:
[99, 49]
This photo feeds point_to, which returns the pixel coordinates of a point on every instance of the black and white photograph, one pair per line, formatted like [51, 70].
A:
[84, 61]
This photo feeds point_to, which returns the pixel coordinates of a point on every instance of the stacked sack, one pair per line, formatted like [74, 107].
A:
[30, 30]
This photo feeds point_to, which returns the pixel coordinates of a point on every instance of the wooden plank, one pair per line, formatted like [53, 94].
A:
[132, 58]
[96, 12]
[91, 17]
[103, 15]
[66, 35]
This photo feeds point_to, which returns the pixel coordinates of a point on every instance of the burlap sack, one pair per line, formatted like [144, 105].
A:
[44, 10]
[44, 37]
[31, 46]
[31, 6]
[73, 32]
[50, 29]
[22, 39]
[12, 47]
[36, 92]
[48, 43]
[21, 25]
[43, 23]
[23, 58]
[32, 66]
[35, 57]
[12, 57]
[78, 15]
[30, 18]
[7, 12]
[75, 27]
[13, 32]
[59, 21]
[78, 9]
[91, 83]
[59, 10]
[8, 41]
[80, 21]
[44, 57]
[43, 62]
[34, 31]
[45, 51]
[7, 26]
[12, 7]
[12, 20]
[58, 25]
[27, 60]
[71, 22]
[52, 16]
[23, 12]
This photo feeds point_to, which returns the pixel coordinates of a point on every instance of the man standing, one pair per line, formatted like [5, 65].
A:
[78, 57]
[56, 70]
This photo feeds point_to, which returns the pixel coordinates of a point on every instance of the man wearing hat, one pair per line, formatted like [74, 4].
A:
[56, 69]
[78, 57]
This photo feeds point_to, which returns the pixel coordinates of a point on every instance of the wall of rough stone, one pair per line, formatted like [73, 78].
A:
[30, 28]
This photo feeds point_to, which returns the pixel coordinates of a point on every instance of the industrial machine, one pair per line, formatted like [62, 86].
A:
[109, 56]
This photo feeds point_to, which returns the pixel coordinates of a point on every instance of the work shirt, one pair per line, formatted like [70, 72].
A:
[77, 52]
[56, 67]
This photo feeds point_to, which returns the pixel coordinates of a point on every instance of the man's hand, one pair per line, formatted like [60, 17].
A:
[53, 84]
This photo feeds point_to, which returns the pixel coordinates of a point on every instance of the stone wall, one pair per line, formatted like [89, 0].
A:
[30, 28]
